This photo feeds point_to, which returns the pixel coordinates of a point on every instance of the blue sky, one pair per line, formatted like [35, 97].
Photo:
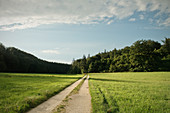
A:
[63, 29]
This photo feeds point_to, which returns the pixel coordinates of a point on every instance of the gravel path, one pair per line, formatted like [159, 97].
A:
[81, 102]
[51, 103]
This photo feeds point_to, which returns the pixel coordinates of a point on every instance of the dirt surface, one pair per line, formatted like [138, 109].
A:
[51, 103]
[81, 102]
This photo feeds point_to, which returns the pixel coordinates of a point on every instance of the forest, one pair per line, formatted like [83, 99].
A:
[141, 56]
[15, 60]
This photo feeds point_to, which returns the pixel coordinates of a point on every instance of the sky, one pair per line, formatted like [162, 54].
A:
[60, 30]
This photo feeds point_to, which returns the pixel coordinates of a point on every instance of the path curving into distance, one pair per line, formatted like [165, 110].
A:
[50, 104]
[81, 102]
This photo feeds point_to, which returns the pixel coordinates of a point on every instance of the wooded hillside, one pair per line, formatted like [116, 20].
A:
[143, 55]
[15, 60]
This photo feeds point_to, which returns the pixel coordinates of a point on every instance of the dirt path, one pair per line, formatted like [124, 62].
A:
[81, 102]
[51, 103]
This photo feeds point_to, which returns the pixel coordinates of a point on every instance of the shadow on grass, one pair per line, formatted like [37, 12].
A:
[100, 79]
[41, 77]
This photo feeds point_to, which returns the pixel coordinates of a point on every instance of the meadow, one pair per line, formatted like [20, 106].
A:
[140, 92]
[20, 92]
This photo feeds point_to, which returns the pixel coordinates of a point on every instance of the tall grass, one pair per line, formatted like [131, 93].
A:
[147, 92]
[20, 92]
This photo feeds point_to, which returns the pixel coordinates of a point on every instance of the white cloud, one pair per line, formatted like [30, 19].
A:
[51, 51]
[153, 27]
[22, 14]
[132, 19]
[151, 20]
[165, 23]
[109, 22]
[141, 17]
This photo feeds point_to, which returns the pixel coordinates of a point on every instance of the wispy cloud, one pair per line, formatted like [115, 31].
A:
[141, 17]
[51, 51]
[22, 14]
[165, 22]
[132, 19]
[109, 22]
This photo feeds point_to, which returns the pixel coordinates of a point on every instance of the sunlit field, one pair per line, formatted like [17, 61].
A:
[144, 92]
[20, 92]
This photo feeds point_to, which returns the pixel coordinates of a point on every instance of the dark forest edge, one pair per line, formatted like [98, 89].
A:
[141, 56]
[15, 60]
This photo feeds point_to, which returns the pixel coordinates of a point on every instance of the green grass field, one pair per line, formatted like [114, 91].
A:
[20, 92]
[142, 92]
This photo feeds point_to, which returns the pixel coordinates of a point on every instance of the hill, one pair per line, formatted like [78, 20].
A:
[143, 55]
[15, 60]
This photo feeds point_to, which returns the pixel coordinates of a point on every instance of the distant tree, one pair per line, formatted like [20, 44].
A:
[73, 60]
[91, 68]
[104, 50]
[88, 56]
[2, 60]
[143, 56]
[83, 65]
[112, 68]
[165, 49]
[94, 67]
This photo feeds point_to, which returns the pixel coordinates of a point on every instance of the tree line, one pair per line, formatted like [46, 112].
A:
[15, 60]
[141, 56]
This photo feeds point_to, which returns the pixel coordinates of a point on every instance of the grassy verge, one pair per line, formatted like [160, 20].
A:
[61, 107]
[130, 92]
[20, 92]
